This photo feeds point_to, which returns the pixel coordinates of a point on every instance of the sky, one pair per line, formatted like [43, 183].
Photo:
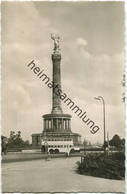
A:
[92, 49]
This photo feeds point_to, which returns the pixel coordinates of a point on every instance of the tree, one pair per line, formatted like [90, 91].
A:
[116, 141]
[27, 143]
[19, 134]
[123, 143]
[15, 140]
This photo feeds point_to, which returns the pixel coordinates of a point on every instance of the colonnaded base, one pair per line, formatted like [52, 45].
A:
[56, 125]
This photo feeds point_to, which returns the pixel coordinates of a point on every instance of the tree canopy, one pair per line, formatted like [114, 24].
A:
[15, 140]
[117, 141]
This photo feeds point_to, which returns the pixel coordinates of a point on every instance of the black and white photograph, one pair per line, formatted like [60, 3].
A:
[63, 96]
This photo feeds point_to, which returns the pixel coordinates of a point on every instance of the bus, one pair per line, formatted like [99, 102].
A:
[55, 146]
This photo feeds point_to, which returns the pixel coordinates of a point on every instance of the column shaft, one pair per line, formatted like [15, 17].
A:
[57, 123]
[51, 123]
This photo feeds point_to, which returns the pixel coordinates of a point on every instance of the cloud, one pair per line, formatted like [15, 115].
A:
[81, 42]
[21, 97]
[85, 74]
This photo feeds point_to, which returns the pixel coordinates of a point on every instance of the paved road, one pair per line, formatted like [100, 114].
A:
[56, 175]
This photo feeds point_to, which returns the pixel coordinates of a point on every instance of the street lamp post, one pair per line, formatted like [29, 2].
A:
[102, 99]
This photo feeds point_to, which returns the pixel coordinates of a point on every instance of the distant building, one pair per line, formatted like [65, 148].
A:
[36, 139]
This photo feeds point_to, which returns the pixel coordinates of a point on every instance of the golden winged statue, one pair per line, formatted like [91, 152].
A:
[56, 39]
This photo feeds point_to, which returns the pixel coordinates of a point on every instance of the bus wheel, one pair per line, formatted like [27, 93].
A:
[56, 151]
[51, 151]
[72, 151]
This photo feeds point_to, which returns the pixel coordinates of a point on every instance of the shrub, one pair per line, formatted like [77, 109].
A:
[101, 165]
